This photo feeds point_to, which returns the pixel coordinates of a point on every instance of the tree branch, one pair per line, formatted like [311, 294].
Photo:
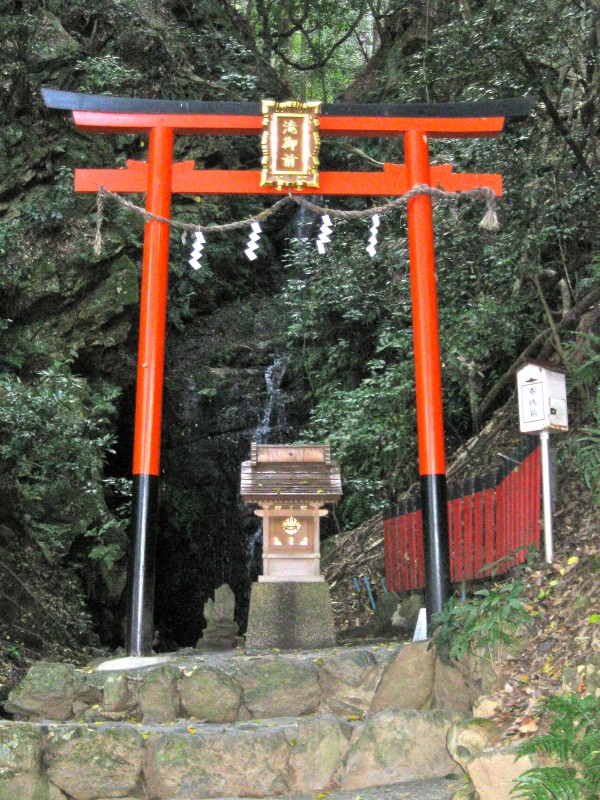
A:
[355, 150]
[573, 315]
[317, 64]
[553, 112]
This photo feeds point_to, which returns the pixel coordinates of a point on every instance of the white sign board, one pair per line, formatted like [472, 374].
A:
[542, 399]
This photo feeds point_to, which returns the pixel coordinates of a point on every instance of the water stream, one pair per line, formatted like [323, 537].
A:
[272, 428]
[273, 425]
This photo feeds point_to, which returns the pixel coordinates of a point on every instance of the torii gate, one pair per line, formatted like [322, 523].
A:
[159, 178]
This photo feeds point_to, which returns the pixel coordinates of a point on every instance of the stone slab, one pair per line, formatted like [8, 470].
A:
[258, 758]
[290, 616]
[395, 746]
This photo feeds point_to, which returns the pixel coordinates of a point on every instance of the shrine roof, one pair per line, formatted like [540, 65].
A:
[295, 473]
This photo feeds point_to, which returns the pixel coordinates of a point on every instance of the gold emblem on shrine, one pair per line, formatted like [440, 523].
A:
[291, 526]
[290, 144]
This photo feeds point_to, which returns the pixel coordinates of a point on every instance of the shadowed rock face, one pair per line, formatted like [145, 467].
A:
[215, 397]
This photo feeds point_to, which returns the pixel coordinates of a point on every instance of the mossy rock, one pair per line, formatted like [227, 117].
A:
[48, 691]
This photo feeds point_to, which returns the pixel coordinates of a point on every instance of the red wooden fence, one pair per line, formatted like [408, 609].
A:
[487, 521]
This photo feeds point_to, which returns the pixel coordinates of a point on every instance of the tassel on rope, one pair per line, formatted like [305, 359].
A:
[99, 219]
[490, 218]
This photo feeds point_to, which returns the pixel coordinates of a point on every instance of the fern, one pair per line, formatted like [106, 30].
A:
[547, 783]
[573, 740]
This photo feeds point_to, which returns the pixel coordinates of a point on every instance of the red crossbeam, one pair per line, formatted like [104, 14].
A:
[239, 125]
[392, 181]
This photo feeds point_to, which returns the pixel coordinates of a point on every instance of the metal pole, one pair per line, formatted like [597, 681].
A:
[148, 413]
[428, 380]
[547, 494]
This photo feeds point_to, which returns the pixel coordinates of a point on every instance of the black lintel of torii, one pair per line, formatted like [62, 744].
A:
[513, 108]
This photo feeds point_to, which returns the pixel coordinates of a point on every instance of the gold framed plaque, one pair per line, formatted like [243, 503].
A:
[290, 144]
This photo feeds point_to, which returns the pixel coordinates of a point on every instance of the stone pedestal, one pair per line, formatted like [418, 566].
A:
[290, 616]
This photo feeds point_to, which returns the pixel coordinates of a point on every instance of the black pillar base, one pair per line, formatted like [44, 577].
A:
[436, 546]
[143, 564]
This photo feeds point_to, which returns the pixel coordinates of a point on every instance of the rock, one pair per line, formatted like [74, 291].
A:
[584, 678]
[210, 694]
[48, 692]
[486, 707]
[103, 762]
[468, 738]
[20, 754]
[397, 746]
[473, 744]
[317, 749]
[494, 772]
[221, 629]
[406, 615]
[50, 41]
[115, 693]
[348, 680]
[480, 674]
[29, 787]
[387, 606]
[408, 681]
[158, 699]
[248, 761]
[450, 689]
[278, 687]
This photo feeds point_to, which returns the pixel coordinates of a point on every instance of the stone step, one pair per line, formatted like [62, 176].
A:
[232, 687]
[257, 758]
[433, 789]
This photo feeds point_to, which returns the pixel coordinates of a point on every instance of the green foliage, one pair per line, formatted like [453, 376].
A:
[108, 544]
[54, 434]
[484, 625]
[583, 451]
[106, 74]
[315, 49]
[573, 740]
[11, 651]
[47, 212]
[349, 335]
[588, 453]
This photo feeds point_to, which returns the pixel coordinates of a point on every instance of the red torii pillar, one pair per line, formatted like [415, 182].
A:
[159, 178]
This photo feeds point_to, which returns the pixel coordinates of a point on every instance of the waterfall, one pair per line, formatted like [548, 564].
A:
[273, 427]
[273, 424]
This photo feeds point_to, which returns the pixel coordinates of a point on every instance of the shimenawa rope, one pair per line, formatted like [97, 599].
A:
[489, 221]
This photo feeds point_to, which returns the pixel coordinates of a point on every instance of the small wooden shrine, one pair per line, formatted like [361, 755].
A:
[291, 484]
[290, 606]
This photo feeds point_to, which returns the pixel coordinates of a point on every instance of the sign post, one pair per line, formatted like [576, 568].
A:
[159, 178]
[543, 408]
